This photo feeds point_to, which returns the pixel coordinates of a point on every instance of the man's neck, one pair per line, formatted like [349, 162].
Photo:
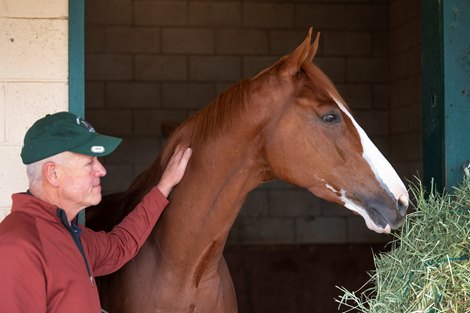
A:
[51, 197]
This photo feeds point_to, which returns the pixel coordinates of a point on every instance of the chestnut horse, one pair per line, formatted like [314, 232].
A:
[289, 123]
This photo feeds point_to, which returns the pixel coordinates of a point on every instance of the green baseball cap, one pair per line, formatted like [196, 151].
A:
[64, 131]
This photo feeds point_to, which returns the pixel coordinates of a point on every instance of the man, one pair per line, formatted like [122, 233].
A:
[47, 261]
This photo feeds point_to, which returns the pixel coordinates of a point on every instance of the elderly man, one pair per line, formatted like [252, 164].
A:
[47, 261]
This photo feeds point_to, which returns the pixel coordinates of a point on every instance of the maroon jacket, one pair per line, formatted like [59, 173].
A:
[45, 267]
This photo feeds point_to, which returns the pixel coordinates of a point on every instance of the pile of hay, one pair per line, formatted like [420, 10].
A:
[427, 269]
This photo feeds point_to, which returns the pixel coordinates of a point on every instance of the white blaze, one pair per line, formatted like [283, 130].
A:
[384, 172]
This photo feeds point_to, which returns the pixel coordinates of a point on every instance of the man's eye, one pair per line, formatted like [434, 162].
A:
[331, 118]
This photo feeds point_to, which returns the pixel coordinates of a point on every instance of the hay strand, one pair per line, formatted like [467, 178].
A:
[427, 269]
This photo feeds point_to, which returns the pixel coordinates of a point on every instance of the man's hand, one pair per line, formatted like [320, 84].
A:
[174, 170]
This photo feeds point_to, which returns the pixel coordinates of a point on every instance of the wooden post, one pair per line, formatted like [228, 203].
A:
[446, 90]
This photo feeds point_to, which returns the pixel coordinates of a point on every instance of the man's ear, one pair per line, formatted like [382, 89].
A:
[50, 174]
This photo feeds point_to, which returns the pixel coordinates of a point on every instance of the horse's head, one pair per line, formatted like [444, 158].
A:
[315, 142]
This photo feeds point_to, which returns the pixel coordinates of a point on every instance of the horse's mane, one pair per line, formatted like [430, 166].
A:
[213, 120]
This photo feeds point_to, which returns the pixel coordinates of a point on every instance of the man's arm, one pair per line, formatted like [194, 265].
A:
[110, 251]
[22, 278]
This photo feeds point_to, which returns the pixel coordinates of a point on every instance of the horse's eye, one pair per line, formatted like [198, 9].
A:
[331, 118]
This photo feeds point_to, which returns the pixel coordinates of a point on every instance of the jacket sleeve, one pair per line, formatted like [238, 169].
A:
[22, 278]
[108, 252]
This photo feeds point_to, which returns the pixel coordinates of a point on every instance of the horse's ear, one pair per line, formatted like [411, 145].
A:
[314, 47]
[301, 54]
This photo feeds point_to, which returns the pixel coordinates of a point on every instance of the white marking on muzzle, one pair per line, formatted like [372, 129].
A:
[356, 208]
[349, 204]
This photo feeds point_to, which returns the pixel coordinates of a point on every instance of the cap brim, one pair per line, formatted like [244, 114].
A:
[99, 145]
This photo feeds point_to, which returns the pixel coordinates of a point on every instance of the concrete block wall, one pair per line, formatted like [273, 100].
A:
[406, 122]
[33, 79]
[150, 64]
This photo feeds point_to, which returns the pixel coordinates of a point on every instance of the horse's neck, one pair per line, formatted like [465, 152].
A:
[205, 205]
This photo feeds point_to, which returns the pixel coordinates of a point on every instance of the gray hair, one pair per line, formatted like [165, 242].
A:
[34, 170]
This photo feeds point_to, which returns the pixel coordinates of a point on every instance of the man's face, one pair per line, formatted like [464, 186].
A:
[79, 180]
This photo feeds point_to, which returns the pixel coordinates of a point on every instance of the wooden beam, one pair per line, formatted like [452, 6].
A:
[446, 90]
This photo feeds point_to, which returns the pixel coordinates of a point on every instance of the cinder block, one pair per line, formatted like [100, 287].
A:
[133, 39]
[108, 12]
[95, 39]
[406, 63]
[283, 42]
[406, 119]
[133, 95]
[320, 230]
[381, 95]
[214, 68]
[38, 44]
[187, 95]
[223, 86]
[4, 211]
[27, 102]
[113, 123]
[405, 92]
[293, 203]
[320, 16]
[161, 67]
[136, 150]
[346, 43]
[329, 209]
[253, 65]
[406, 146]
[108, 67]
[188, 40]
[34, 8]
[359, 233]
[3, 120]
[374, 122]
[268, 15]
[381, 43]
[405, 36]
[149, 122]
[333, 67]
[409, 170]
[262, 230]
[382, 143]
[368, 16]
[118, 178]
[95, 95]
[14, 174]
[162, 13]
[237, 41]
[215, 13]
[256, 204]
[363, 69]
[357, 96]
[402, 11]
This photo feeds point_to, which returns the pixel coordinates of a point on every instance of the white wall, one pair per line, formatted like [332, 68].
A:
[33, 79]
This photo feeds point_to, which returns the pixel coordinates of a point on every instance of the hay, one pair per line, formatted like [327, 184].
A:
[427, 269]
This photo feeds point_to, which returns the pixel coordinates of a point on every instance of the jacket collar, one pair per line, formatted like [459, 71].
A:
[26, 203]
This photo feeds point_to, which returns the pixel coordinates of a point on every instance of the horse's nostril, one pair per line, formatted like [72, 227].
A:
[403, 204]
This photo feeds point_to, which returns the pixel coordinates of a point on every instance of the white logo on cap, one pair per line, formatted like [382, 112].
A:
[85, 124]
[97, 149]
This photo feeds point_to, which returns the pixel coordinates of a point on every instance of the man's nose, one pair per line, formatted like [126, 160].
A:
[99, 169]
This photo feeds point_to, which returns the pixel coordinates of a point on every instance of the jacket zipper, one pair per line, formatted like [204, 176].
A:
[74, 231]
